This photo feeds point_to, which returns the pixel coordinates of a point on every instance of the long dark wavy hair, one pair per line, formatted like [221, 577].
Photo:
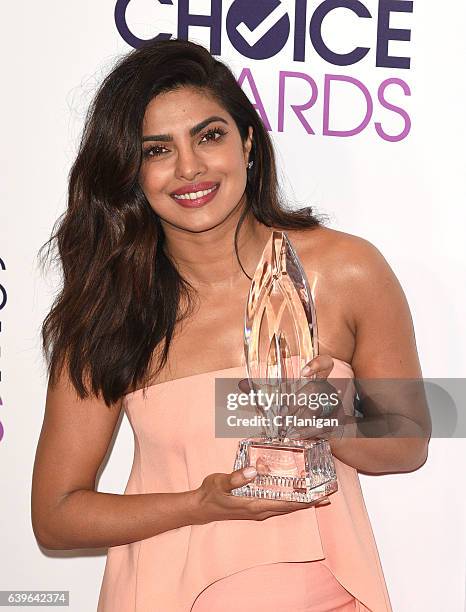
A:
[121, 296]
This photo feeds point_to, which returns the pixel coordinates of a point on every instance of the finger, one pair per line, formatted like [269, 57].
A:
[305, 433]
[299, 433]
[320, 367]
[244, 385]
[323, 502]
[309, 433]
[278, 507]
[238, 478]
[262, 466]
[322, 385]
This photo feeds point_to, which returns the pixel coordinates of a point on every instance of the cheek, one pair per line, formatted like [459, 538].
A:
[232, 165]
[152, 180]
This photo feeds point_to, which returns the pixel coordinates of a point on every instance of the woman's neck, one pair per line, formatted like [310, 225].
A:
[207, 259]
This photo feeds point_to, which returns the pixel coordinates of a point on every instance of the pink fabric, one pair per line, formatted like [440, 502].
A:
[281, 587]
[175, 448]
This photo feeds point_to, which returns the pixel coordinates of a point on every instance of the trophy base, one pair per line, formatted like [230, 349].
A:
[287, 470]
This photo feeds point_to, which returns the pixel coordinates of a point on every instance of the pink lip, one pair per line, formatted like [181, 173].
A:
[198, 202]
[193, 187]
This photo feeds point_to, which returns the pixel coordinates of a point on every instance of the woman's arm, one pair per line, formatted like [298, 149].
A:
[66, 510]
[68, 513]
[385, 348]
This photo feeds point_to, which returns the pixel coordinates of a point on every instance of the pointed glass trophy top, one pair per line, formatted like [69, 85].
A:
[280, 337]
[280, 328]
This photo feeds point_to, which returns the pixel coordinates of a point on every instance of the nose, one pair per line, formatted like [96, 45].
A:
[189, 164]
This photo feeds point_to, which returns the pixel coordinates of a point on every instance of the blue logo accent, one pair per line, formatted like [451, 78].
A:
[258, 30]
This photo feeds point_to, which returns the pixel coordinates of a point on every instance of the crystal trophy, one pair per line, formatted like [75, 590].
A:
[280, 337]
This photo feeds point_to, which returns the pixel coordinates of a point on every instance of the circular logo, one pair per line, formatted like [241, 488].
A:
[258, 30]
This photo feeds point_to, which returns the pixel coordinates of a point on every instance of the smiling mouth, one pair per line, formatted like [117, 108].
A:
[195, 195]
[196, 199]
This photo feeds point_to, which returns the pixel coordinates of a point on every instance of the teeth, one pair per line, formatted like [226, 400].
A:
[194, 195]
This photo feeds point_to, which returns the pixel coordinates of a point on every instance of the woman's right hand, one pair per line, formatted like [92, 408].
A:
[214, 501]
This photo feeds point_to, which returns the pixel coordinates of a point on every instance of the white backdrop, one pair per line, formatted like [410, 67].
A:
[406, 197]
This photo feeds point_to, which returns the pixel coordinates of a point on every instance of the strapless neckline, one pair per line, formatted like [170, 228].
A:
[175, 448]
[199, 374]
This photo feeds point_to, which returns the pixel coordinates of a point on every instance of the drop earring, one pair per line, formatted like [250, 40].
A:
[250, 164]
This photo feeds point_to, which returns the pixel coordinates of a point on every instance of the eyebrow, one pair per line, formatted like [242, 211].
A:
[193, 131]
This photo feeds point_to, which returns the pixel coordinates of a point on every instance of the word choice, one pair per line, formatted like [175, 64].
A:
[260, 30]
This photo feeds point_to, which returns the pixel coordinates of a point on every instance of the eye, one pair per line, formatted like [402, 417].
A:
[153, 151]
[213, 135]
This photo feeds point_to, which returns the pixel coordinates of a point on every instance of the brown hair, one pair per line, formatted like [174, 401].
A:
[121, 293]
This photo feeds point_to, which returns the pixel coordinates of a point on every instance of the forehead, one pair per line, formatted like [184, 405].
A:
[180, 109]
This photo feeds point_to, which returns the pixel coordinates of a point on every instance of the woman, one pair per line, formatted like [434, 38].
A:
[172, 197]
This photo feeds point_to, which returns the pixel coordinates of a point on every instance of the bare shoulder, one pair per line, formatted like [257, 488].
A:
[353, 272]
[335, 246]
[341, 257]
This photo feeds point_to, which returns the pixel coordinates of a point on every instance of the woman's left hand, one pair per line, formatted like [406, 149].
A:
[320, 367]
[318, 370]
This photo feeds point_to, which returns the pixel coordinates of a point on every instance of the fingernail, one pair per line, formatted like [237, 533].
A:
[250, 472]
[244, 384]
[307, 370]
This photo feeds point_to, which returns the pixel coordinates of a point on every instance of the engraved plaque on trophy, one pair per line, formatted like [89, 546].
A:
[280, 337]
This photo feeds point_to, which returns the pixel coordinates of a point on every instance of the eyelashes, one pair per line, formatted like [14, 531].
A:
[214, 134]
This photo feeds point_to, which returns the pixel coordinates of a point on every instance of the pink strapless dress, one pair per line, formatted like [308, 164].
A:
[247, 565]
